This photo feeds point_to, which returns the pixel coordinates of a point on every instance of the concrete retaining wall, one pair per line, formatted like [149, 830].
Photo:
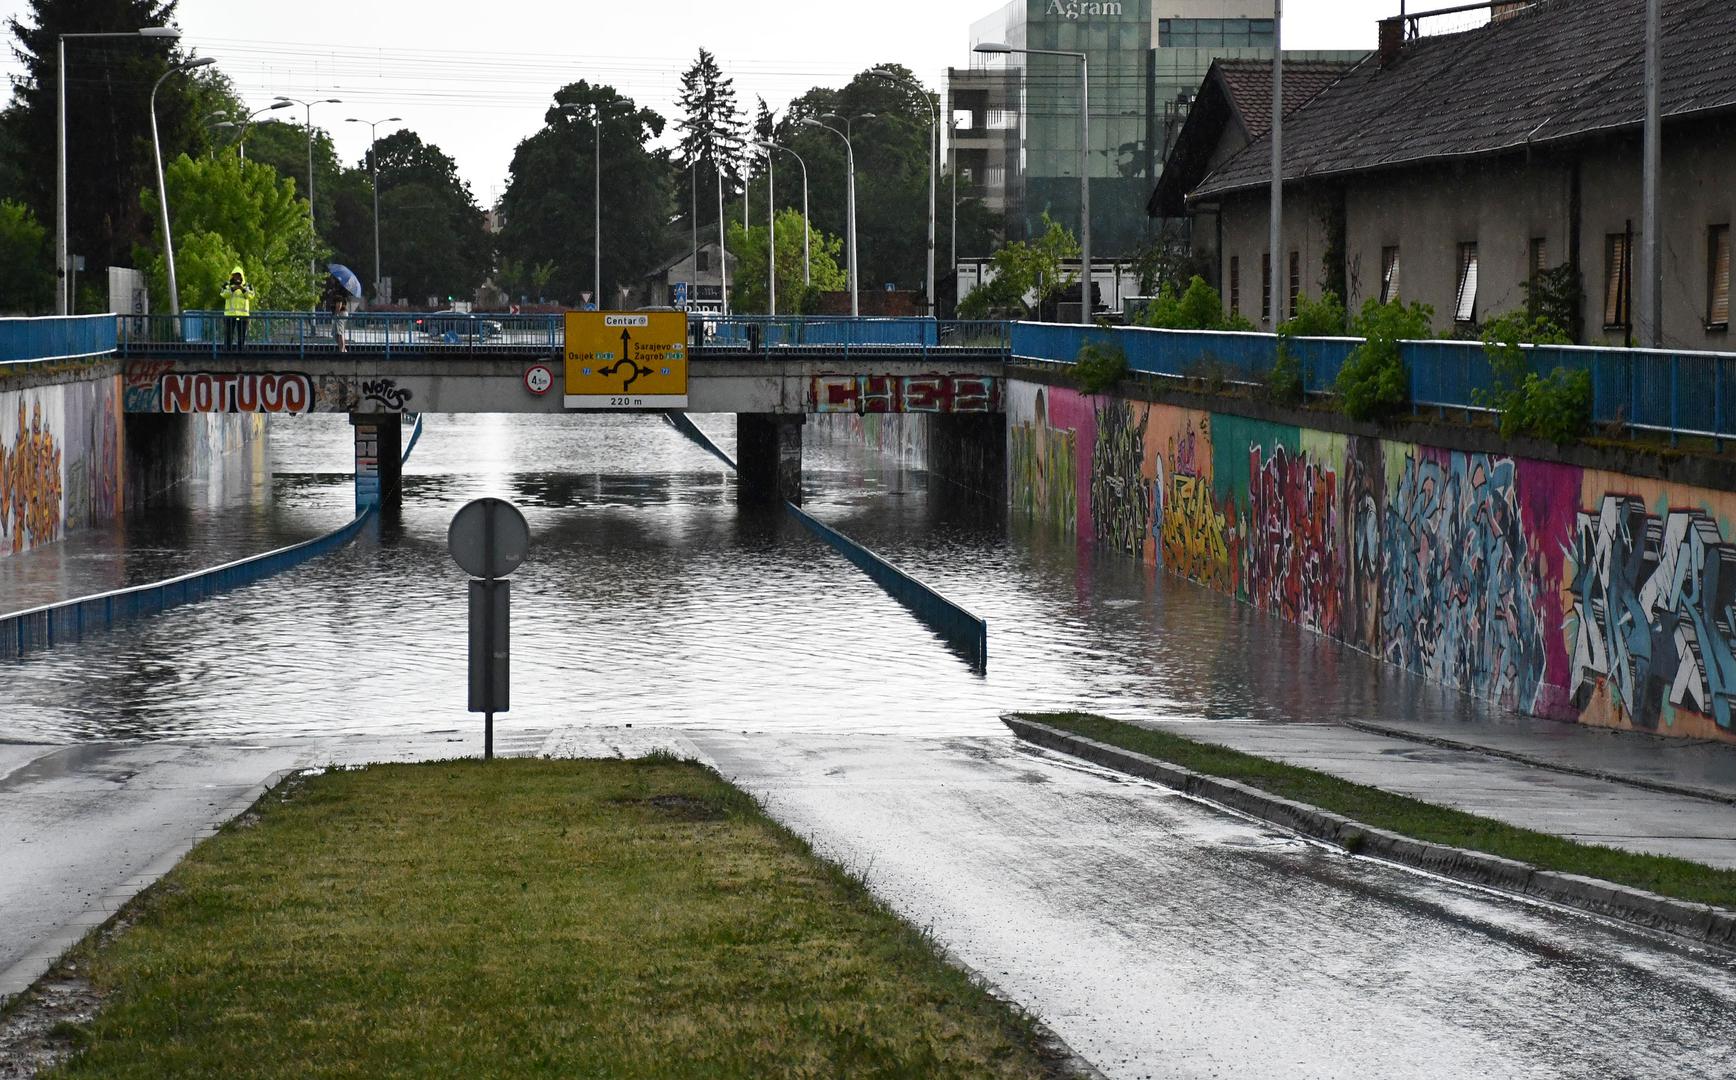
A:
[71, 458]
[1541, 582]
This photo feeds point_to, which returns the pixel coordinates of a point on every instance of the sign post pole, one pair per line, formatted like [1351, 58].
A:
[489, 538]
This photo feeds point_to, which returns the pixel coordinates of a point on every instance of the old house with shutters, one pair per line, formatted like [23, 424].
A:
[1453, 169]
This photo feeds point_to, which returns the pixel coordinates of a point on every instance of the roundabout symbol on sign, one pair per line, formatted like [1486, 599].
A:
[538, 379]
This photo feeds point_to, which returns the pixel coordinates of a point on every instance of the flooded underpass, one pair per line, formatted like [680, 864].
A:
[1159, 936]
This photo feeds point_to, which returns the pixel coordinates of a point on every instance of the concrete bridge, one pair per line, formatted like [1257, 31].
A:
[771, 372]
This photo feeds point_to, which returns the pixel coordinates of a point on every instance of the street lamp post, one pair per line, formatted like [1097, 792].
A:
[374, 161]
[850, 272]
[807, 228]
[162, 188]
[308, 107]
[933, 164]
[596, 111]
[223, 124]
[722, 251]
[998, 48]
[952, 150]
[61, 280]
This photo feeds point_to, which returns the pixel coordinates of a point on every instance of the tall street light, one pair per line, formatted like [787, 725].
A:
[771, 235]
[224, 124]
[162, 189]
[933, 163]
[596, 111]
[807, 229]
[61, 299]
[850, 272]
[312, 270]
[952, 149]
[997, 48]
[374, 160]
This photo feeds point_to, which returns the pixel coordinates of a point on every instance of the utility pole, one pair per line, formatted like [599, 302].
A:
[1277, 240]
[1651, 293]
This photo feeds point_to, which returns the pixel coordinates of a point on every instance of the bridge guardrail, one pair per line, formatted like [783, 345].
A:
[762, 334]
[38, 340]
[1660, 391]
[303, 332]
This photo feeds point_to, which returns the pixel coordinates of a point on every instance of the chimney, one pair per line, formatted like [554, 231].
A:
[1391, 40]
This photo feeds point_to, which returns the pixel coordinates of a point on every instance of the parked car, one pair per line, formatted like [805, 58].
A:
[458, 327]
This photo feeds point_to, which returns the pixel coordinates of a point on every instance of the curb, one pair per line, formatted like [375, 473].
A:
[1664, 787]
[1698, 922]
[21, 976]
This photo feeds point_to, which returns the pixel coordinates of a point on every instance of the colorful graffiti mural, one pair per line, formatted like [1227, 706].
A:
[1654, 612]
[1547, 588]
[60, 461]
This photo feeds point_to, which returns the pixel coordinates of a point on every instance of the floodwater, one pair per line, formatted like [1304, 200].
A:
[1159, 936]
[650, 597]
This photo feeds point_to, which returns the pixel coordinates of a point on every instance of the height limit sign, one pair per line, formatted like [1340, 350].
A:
[626, 360]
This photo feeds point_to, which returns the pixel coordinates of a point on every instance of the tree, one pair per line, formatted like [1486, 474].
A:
[748, 290]
[432, 238]
[26, 258]
[283, 146]
[1022, 269]
[108, 130]
[229, 212]
[547, 206]
[711, 128]
[892, 154]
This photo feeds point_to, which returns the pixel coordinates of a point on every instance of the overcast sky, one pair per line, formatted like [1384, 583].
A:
[475, 78]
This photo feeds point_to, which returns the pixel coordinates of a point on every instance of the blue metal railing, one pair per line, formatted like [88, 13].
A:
[55, 337]
[1669, 392]
[304, 332]
[961, 629]
[42, 627]
[70, 620]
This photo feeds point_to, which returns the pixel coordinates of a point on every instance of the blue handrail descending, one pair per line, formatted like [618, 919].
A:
[55, 337]
[961, 629]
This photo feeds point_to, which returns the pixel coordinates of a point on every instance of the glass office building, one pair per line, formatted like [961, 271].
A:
[1017, 116]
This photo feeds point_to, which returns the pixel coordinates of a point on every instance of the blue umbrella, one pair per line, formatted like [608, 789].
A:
[347, 278]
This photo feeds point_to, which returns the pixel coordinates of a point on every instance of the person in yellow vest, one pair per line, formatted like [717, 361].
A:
[237, 308]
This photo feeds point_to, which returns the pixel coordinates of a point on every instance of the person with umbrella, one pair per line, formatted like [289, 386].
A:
[341, 286]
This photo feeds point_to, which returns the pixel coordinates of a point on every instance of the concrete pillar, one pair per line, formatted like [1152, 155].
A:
[379, 461]
[768, 451]
[970, 450]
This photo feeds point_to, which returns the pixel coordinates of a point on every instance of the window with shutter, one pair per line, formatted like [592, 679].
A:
[1266, 286]
[704, 264]
[1465, 309]
[1295, 280]
[1388, 275]
[1539, 256]
[1235, 284]
[1616, 300]
[1718, 277]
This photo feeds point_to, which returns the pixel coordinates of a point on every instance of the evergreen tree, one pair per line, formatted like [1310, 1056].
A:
[108, 125]
[711, 131]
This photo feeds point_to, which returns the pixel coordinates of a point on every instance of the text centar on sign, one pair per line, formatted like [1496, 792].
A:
[626, 360]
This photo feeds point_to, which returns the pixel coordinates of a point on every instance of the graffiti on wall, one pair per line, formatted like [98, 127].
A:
[31, 480]
[1361, 507]
[905, 393]
[1121, 500]
[235, 392]
[1290, 550]
[1461, 601]
[1654, 612]
[1043, 463]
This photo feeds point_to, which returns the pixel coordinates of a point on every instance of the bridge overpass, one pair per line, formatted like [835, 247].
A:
[772, 372]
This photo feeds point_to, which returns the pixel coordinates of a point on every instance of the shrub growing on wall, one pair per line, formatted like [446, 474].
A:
[1099, 367]
[1314, 318]
[1555, 407]
[1199, 308]
[1373, 383]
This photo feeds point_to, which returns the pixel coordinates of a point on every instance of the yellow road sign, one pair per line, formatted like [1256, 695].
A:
[626, 360]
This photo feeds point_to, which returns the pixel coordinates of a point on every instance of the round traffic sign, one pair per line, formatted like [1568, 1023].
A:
[489, 538]
[538, 379]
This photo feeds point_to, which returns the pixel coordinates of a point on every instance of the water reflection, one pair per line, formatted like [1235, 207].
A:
[650, 597]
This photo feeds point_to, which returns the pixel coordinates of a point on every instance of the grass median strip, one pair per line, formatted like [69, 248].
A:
[1419, 820]
[528, 918]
